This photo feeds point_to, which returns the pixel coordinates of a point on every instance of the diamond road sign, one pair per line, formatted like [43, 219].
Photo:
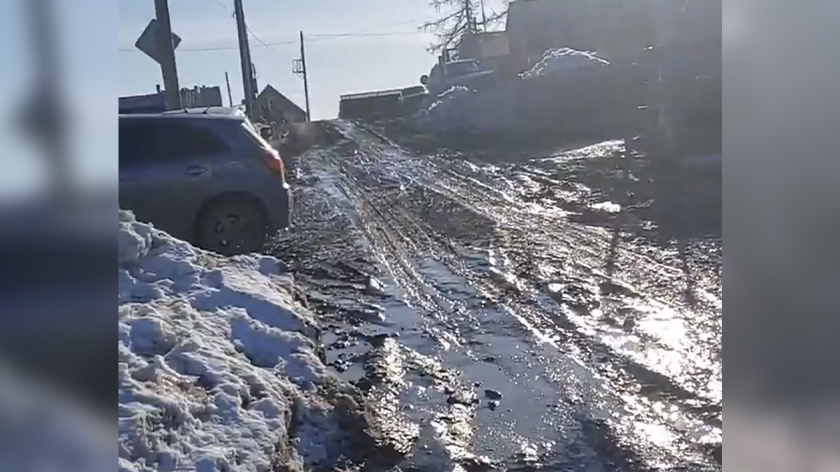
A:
[149, 43]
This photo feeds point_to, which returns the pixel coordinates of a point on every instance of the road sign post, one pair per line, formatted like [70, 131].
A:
[152, 42]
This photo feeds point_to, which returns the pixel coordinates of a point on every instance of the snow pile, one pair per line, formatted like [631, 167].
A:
[606, 207]
[521, 107]
[448, 97]
[558, 61]
[218, 370]
[449, 107]
[453, 91]
[462, 109]
[515, 107]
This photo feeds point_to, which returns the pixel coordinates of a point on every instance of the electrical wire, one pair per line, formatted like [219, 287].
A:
[310, 37]
[263, 43]
[288, 43]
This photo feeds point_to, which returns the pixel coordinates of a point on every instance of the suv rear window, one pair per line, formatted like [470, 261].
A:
[148, 141]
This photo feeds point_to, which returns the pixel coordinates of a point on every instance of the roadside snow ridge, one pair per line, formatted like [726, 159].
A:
[218, 367]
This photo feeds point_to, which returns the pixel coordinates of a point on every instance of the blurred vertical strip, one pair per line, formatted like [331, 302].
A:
[58, 242]
[44, 115]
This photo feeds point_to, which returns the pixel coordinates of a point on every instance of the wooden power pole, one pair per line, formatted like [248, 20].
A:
[167, 63]
[305, 76]
[230, 95]
[245, 59]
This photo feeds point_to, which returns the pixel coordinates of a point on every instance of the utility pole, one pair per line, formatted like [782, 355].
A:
[305, 76]
[230, 95]
[167, 63]
[254, 86]
[245, 59]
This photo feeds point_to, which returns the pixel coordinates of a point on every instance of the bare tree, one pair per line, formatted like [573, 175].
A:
[461, 17]
[494, 18]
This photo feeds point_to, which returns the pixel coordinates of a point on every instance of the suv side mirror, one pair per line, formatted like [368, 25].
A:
[424, 79]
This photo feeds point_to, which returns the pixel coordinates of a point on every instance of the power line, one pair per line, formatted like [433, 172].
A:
[402, 23]
[257, 37]
[366, 32]
[246, 26]
[358, 35]
[315, 37]
[215, 48]
[232, 14]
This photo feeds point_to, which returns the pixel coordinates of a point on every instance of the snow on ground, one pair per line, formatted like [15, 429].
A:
[450, 107]
[562, 60]
[499, 109]
[218, 365]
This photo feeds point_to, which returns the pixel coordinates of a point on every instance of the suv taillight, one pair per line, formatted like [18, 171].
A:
[275, 163]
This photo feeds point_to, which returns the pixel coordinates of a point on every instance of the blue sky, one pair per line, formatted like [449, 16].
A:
[337, 65]
[94, 72]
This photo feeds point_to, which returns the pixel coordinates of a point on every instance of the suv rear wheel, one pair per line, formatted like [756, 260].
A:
[233, 225]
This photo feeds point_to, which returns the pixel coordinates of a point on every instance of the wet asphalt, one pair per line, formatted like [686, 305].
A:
[560, 312]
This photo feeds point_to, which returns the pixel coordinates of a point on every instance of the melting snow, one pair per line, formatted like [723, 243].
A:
[563, 60]
[217, 362]
[606, 207]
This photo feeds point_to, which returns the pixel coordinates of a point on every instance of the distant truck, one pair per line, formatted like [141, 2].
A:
[414, 98]
[467, 72]
[382, 105]
[371, 106]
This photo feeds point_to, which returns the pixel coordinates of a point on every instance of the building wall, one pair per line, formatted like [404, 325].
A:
[271, 106]
[201, 97]
[150, 103]
[612, 28]
[483, 46]
[156, 103]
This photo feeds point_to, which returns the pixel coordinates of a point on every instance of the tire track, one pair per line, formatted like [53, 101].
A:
[479, 273]
[646, 278]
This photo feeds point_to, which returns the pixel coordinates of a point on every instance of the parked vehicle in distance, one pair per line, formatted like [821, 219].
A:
[371, 106]
[468, 72]
[413, 98]
[205, 176]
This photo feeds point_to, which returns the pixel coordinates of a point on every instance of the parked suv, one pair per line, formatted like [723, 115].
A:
[207, 177]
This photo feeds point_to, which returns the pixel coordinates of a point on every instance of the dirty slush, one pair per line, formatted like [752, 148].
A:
[511, 316]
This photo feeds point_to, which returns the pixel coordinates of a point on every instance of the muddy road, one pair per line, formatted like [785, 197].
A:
[512, 316]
